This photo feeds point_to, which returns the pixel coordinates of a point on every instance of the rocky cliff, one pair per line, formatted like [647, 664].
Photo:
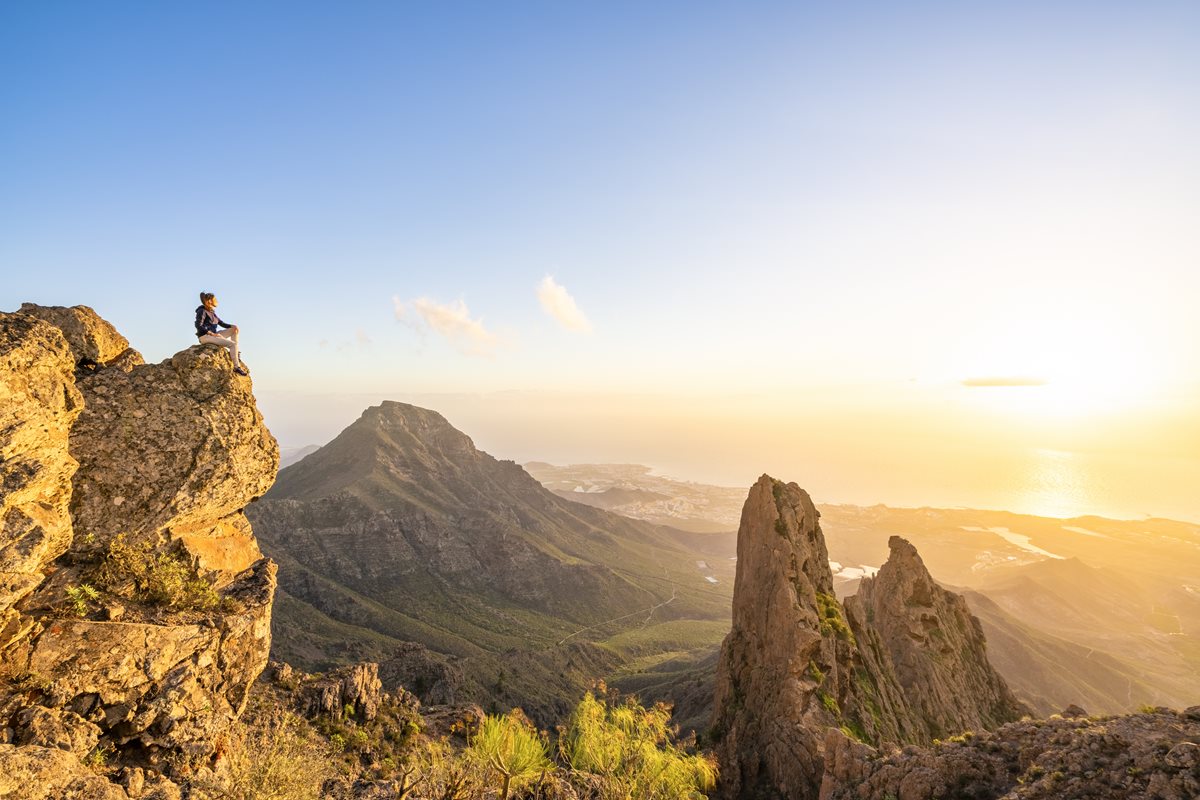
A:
[134, 603]
[901, 663]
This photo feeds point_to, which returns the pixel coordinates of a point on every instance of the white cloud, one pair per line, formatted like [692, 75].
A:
[560, 305]
[452, 320]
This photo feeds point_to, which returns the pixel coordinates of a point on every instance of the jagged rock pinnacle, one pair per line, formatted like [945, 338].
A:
[797, 663]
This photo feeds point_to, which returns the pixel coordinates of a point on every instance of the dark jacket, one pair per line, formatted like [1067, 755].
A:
[207, 322]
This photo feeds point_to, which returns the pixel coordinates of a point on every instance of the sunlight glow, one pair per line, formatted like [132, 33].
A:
[1060, 368]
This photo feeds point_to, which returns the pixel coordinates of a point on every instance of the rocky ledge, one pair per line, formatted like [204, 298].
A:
[1067, 757]
[135, 604]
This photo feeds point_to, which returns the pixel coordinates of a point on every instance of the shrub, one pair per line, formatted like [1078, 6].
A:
[629, 749]
[273, 762]
[510, 746]
[136, 571]
[830, 703]
[439, 772]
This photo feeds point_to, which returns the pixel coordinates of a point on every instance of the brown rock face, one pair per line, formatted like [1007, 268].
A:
[787, 668]
[165, 686]
[796, 663]
[433, 677]
[937, 648]
[357, 685]
[168, 452]
[175, 449]
[48, 773]
[38, 405]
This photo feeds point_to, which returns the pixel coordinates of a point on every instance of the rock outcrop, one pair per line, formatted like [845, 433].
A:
[135, 605]
[93, 341]
[1062, 758]
[796, 664]
[356, 687]
[38, 405]
[936, 648]
[172, 450]
[435, 678]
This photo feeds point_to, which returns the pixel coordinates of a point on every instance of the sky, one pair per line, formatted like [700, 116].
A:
[919, 253]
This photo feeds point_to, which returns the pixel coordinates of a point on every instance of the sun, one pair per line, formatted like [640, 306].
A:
[1058, 369]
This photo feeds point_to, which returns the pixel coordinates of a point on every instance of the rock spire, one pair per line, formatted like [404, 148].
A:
[797, 663]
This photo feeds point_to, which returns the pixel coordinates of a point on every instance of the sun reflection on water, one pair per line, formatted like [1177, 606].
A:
[1056, 485]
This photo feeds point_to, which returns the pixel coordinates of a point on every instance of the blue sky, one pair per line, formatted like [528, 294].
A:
[774, 200]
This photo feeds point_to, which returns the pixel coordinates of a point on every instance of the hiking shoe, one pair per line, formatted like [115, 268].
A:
[240, 371]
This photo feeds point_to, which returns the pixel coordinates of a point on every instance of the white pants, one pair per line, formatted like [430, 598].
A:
[231, 342]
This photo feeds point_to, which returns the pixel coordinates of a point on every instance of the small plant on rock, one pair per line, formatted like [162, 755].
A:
[79, 598]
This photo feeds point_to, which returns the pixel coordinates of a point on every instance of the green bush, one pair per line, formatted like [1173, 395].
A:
[629, 749]
[512, 748]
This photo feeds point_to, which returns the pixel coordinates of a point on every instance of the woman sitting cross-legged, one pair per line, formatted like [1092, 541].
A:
[207, 332]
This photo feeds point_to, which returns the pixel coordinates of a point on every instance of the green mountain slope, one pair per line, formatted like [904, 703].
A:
[401, 530]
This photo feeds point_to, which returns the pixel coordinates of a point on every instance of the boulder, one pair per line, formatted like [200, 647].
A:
[48, 773]
[58, 728]
[173, 450]
[94, 342]
[357, 686]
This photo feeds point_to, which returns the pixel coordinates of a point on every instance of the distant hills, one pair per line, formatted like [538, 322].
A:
[634, 491]
[290, 455]
[1118, 601]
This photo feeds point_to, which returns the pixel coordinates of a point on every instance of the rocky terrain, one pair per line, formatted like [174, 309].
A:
[1155, 754]
[136, 615]
[135, 603]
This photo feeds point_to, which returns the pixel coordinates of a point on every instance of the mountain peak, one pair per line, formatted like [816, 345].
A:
[900, 549]
[381, 454]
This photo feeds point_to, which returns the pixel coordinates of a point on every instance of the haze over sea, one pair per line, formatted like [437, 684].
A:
[679, 437]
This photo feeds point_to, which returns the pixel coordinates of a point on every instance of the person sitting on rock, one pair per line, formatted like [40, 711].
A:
[206, 329]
